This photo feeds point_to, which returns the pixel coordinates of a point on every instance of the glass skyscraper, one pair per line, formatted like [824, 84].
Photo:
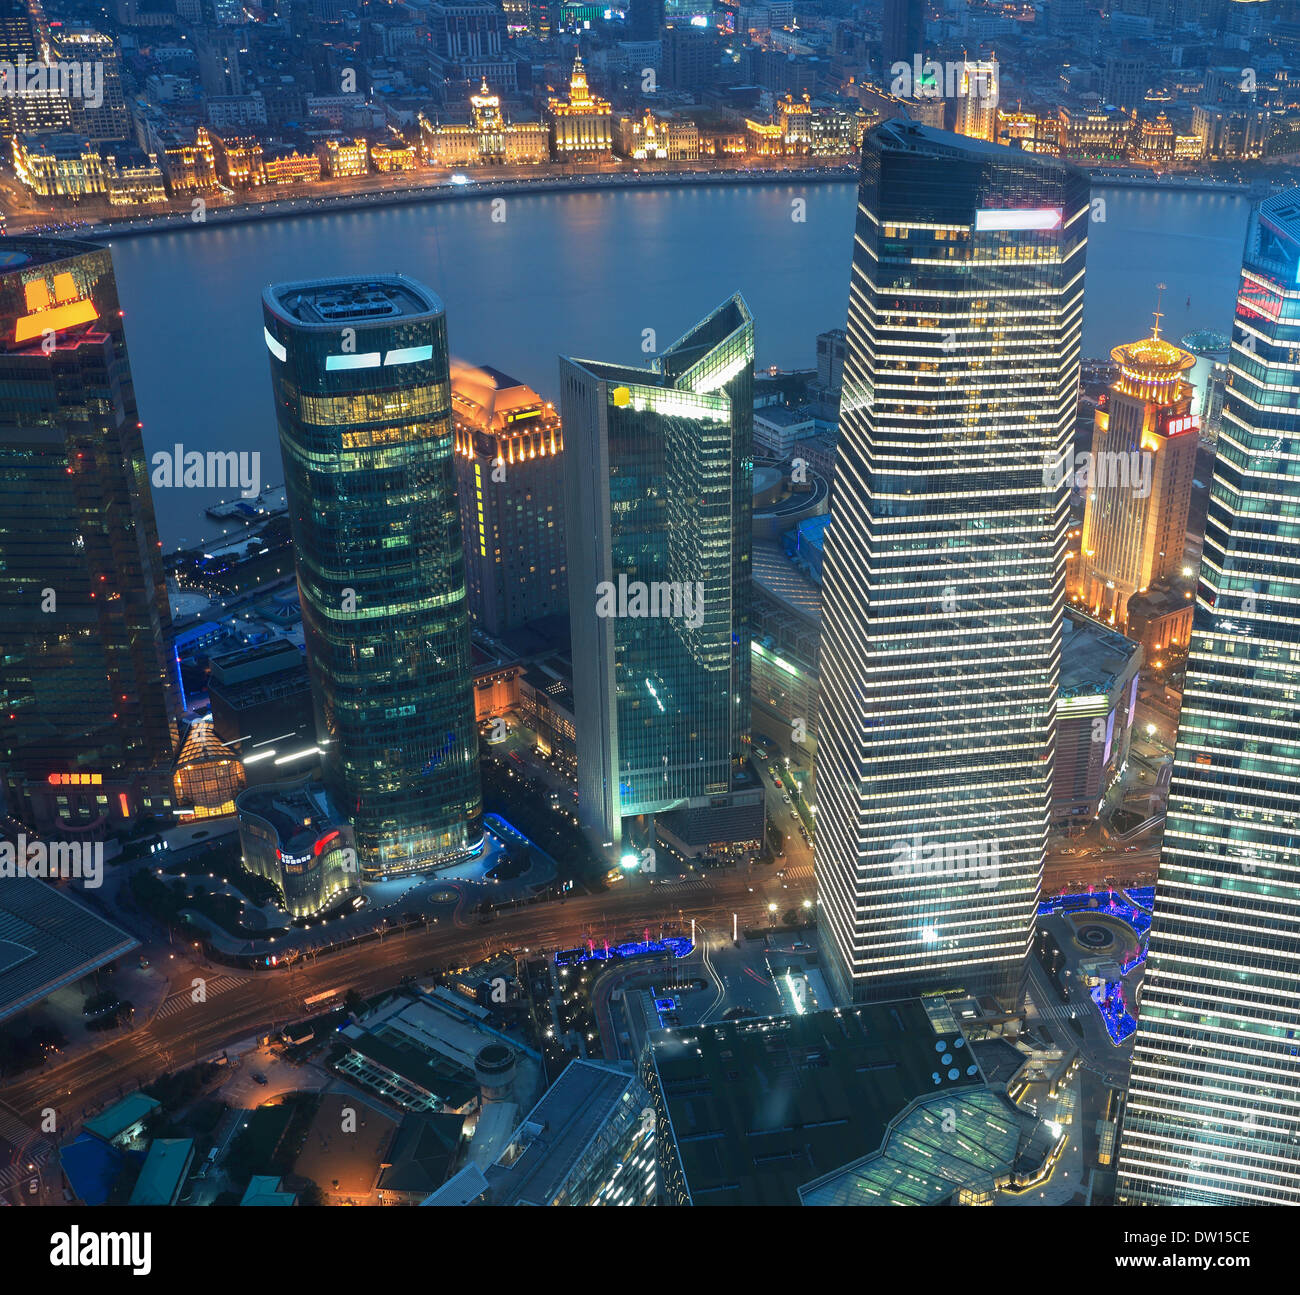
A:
[944, 575]
[659, 517]
[359, 370]
[85, 679]
[1213, 1113]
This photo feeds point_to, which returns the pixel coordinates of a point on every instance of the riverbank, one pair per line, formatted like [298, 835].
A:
[448, 191]
[498, 187]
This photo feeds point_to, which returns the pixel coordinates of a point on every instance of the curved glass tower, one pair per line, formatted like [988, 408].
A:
[362, 390]
[944, 575]
[1213, 1114]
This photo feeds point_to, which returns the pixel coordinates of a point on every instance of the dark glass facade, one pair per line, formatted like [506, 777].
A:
[1215, 1082]
[360, 375]
[85, 678]
[659, 520]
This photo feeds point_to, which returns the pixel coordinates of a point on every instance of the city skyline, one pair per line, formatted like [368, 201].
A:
[745, 656]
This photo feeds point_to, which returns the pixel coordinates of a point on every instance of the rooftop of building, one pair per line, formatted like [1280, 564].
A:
[265, 658]
[47, 940]
[114, 1120]
[780, 578]
[681, 365]
[298, 810]
[422, 1153]
[1161, 599]
[163, 1171]
[1274, 233]
[490, 399]
[92, 1167]
[333, 303]
[780, 416]
[265, 1189]
[923, 1162]
[1153, 355]
[21, 253]
[1093, 656]
[549, 1141]
[557, 688]
[761, 1107]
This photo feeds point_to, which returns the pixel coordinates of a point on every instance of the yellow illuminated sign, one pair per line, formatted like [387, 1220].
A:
[44, 315]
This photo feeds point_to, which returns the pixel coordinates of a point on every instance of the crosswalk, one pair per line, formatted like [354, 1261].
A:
[1055, 1011]
[35, 1150]
[185, 998]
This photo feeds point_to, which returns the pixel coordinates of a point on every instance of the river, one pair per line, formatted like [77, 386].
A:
[585, 274]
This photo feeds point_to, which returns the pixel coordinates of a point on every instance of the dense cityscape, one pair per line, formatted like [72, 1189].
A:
[822, 734]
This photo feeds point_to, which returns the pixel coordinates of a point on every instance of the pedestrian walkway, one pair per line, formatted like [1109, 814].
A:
[178, 1002]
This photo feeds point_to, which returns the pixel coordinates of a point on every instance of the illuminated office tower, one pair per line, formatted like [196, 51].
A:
[1139, 479]
[510, 479]
[659, 519]
[944, 571]
[85, 681]
[359, 371]
[1213, 1113]
[24, 43]
[977, 99]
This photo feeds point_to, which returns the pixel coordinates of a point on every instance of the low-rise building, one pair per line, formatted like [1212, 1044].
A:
[292, 835]
[1095, 708]
[849, 1106]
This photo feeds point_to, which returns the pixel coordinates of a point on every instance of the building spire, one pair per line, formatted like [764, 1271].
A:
[1159, 314]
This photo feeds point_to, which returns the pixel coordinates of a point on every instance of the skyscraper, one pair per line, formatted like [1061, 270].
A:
[976, 107]
[904, 32]
[1139, 478]
[24, 41]
[85, 680]
[510, 480]
[359, 370]
[944, 564]
[1215, 1084]
[659, 517]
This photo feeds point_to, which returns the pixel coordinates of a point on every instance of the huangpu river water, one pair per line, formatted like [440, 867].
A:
[585, 274]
